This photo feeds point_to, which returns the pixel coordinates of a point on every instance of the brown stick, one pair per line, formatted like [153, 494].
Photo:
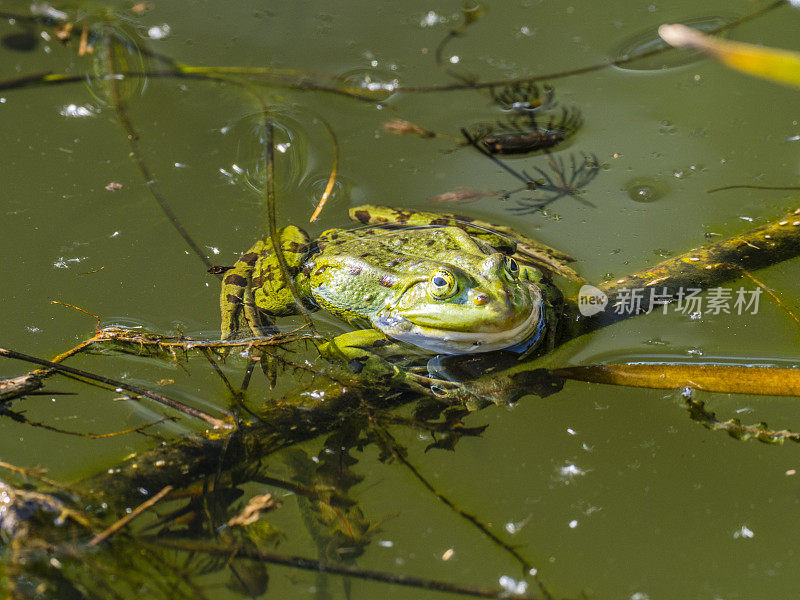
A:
[19, 386]
[702, 267]
[728, 379]
[104, 535]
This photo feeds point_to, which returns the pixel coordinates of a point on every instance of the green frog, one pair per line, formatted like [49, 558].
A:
[409, 281]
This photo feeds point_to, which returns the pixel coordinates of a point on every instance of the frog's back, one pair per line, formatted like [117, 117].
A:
[390, 248]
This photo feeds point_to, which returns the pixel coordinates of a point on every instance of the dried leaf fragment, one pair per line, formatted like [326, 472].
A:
[251, 513]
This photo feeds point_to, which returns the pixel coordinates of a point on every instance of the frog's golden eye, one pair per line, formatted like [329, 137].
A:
[512, 268]
[442, 284]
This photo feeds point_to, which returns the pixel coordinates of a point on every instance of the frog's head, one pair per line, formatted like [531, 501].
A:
[465, 306]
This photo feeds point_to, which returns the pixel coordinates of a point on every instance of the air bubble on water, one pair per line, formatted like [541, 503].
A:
[512, 586]
[513, 527]
[569, 472]
[74, 111]
[158, 32]
[431, 19]
[66, 263]
[646, 189]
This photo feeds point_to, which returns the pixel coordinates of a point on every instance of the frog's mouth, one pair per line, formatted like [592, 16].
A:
[530, 331]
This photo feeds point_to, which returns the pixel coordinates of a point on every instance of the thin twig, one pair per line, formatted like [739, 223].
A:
[772, 294]
[207, 353]
[269, 196]
[30, 474]
[104, 535]
[334, 170]
[617, 62]
[173, 404]
[310, 564]
[782, 188]
[112, 72]
[248, 373]
[20, 418]
[527, 565]
[297, 83]
[65, 355]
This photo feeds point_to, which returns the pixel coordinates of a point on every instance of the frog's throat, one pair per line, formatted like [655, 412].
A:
[530, 331]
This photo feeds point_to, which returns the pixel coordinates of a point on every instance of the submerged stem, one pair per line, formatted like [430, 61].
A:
[117, 101]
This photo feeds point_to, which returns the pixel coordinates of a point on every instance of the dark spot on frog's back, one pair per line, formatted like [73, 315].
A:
[362, 215]
[236, 279]
[295, 247]
[440, 221]
[387, 280]
[402, 216]
[249, 258]
[321, 270]
[354, 270]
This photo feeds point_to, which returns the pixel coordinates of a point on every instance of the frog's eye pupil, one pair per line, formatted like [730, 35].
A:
[442, 285]
[512, 266]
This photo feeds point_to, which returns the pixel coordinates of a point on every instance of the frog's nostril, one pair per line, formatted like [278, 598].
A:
[481, 299]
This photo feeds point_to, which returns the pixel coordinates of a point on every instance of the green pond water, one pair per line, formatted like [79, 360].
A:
[611, 492]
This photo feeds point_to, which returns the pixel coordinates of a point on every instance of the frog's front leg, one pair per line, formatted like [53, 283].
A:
[369, 354]
[552, 305]
[236, 301]
[255, 289]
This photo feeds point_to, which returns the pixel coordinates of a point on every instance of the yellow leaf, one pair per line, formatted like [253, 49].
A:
[778, 65]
